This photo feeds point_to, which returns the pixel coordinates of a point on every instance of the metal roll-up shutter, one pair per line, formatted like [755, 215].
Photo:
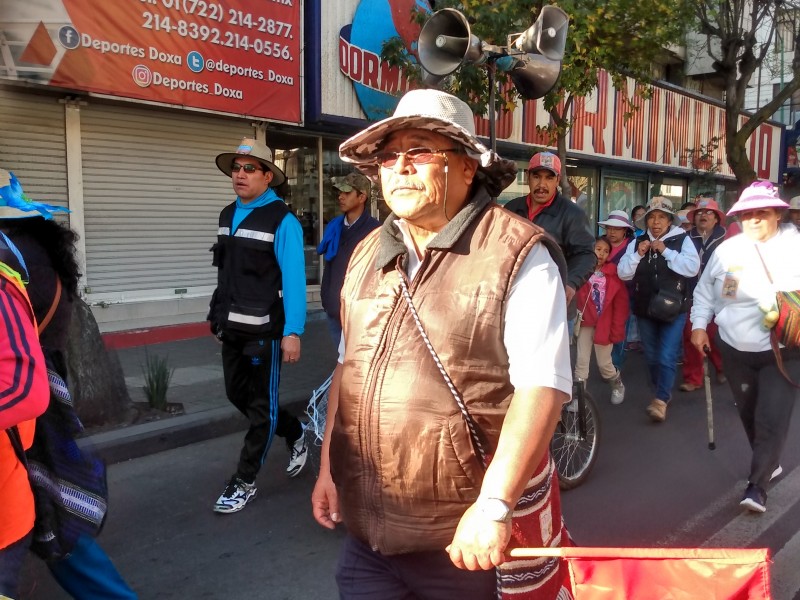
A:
[32, 143]
[152, 197]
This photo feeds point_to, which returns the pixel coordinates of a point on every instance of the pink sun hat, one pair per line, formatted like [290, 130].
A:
[706, 204]
[760, 194]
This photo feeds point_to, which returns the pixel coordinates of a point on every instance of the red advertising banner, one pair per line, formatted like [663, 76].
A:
[234, 56]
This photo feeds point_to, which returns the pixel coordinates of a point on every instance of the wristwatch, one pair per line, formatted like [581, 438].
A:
[494, 509]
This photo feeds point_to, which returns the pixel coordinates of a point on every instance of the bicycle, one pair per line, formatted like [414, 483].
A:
[575, 440]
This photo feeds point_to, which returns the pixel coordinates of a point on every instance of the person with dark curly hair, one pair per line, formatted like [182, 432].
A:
[44, 250]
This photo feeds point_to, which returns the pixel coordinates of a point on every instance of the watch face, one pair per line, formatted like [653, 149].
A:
[495, 509]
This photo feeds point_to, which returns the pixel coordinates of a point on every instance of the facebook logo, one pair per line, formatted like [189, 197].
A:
[195, 62]
[68, 36]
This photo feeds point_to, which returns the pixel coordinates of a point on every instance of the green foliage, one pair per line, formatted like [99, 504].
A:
[157, 376]
[624, 37]
[738, 36]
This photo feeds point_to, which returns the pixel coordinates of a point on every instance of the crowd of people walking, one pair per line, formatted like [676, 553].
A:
[700, 290]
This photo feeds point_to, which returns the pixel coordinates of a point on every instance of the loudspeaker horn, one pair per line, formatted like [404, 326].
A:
[533, 75]
[446, 42]
[547, 36]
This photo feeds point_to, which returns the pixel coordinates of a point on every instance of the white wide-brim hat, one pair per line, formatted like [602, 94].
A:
[253, 149]
[617, 218]
[435, 111]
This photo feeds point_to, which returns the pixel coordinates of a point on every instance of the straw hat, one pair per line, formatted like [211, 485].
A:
[759, 194]
[253, 149]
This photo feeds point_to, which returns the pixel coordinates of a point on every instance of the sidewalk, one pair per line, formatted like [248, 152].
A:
[197, 384]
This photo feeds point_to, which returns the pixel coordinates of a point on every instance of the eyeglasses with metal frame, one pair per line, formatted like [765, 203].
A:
[416, 156]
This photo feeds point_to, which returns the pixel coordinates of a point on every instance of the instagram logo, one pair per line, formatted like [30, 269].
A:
[142, 75]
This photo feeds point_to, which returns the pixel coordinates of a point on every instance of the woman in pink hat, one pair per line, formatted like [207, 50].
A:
[737, 290]
[707, 233]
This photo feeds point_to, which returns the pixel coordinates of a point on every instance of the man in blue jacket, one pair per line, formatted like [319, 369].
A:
[258, 311]
[559, 217]
[341, 237]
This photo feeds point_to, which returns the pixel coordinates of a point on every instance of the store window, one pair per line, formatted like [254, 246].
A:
[583, 190]
[670, 187]
[301, 194]
[622, 192]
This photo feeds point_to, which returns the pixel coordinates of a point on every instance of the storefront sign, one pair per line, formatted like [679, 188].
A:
[234, 56]
[377, 84]
[669, 129]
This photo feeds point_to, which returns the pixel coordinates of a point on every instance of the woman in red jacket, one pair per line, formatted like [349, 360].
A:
[603, 300]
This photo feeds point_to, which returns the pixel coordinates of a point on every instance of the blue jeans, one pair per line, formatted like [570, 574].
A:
[89, 574]
[662, 346]
[335, 327]
[11, 559]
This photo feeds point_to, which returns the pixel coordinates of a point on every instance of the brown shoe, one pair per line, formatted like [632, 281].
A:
[721, 378]
[688, 387]
[657, 410]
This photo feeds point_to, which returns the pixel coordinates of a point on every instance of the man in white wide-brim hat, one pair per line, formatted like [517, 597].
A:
[454, 319]
[258, 311]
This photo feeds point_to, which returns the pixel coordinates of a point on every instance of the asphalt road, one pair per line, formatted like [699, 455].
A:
[653, 485]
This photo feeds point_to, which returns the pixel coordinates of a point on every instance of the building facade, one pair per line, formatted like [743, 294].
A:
[135, 162]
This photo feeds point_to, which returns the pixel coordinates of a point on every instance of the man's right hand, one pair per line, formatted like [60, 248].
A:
[325, 500]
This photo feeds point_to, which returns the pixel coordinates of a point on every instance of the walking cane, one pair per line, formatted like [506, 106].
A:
[709, 408]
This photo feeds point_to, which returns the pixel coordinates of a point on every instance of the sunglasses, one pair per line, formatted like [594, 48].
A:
[703, 211]
[248, 168]
[417, 156]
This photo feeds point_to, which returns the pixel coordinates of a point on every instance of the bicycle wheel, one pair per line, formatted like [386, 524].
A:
[575, 441]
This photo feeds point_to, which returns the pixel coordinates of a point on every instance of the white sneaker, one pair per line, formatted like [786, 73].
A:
[618, 393]
[776, 473]
[236, 496]
[298, 453]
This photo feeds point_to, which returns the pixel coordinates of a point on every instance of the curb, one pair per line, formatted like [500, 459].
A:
[136, 441]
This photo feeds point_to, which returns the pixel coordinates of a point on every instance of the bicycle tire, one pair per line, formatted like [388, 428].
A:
[575, 454]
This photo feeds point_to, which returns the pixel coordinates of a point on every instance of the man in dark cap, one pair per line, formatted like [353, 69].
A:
[341, 237]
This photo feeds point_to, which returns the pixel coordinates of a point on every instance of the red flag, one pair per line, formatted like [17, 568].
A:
[663, 573]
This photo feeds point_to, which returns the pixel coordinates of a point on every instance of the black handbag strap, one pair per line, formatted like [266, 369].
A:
[473, 432]
[16, 443]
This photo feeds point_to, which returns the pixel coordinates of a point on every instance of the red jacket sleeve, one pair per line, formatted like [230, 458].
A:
[24, 389]
[620, 309]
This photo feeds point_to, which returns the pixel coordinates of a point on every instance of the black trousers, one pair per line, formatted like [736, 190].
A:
[363, 574]
[252, 375]
[765, 401]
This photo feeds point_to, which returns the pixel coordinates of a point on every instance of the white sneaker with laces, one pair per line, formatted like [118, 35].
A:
[298, 453]
[236, 496]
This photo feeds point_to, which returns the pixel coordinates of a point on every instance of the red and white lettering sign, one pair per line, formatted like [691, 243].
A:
[234, 56]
